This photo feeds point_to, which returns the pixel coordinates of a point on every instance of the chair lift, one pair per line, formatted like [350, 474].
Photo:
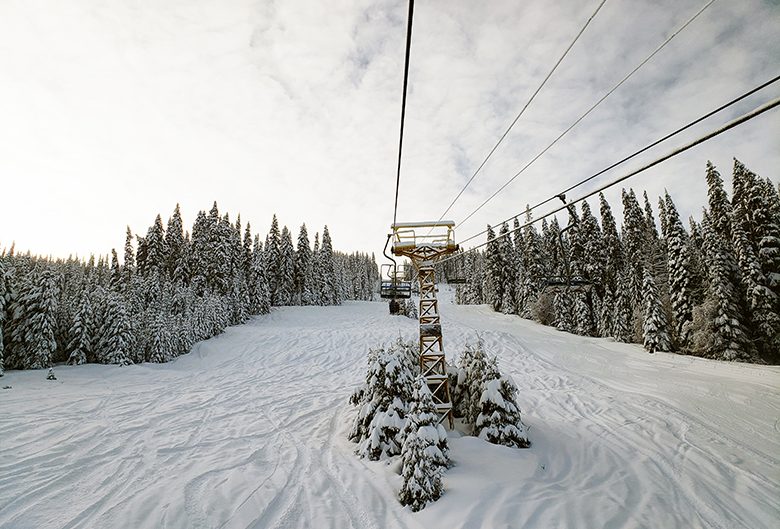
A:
[568, 282]
[453, 275]
[393, 282]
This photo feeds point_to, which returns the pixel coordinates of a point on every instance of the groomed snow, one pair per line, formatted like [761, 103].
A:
[249, 431]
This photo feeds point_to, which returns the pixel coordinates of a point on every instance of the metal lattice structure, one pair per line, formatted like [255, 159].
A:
[423, 250]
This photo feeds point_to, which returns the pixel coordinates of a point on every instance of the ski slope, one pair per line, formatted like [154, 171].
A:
[248, 431]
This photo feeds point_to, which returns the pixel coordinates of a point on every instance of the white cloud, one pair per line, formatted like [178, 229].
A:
[111, 112]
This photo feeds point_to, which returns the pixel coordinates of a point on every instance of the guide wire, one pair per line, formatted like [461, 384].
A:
[587, 112]
[728, 126]
[637, 153]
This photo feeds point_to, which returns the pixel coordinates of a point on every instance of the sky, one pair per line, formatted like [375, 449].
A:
[112, 111]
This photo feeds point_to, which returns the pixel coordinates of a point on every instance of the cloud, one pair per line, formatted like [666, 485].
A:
[113, 112]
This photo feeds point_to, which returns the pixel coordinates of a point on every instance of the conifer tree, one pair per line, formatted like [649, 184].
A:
[762, 222]
[116, 272]
[720, 207]
[156, 251]
[81, 343]
[729, 340]
[655, 327]
[494, 277]
[174, 242]
[115, 340]
[634, 233]
[272, 261]
[583, 316]
[564, 314]
[246, 253]
[613, 248]
[499, 420]
[129, 263]
[533, 266]
[36, 327]
[761, 299]
[285, 267]
[303, 268]
[622, 314]
[594, 257]
[384, 404]
[424, 454]
[508, 271]
[473, 365]
[329, 294]
[679, 266]
[606, 310]
[5, 299]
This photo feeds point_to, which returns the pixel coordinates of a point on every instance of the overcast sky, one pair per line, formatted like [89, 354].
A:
[112, 111]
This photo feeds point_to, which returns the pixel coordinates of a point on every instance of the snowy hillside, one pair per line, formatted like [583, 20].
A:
[249, 430]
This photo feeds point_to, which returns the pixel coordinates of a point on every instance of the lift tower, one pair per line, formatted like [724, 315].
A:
[424, 250]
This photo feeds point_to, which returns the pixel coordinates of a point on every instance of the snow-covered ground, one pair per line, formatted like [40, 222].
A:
[249, 431]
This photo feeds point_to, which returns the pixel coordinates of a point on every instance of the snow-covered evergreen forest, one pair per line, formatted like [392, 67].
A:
[172, 289]
[710, 289]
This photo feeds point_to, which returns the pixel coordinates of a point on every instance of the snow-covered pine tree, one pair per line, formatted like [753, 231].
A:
[5, 298]
[760, 298]
[128, 266]
[303, 268]
[564, 313]
[329, 294]
[160, 346]
[259, 295]
[720, 207]
[80, 347]
[518, 244]
[36, 326]
[473, 364]
[508, 271]
[246, 252]
[613, 248]
[594, 257]
[272, 259]
[655, 326]
[605, 312]
[384, 403]
[679, 266]
[583, 315]
[499, 420]
[285, 266]
[634, 237]
[115, 340]
[156, 251]
[533, 266]
[174, 242]
[425, 453]
[728, 338]
[763, 223]
[622, 315]
[494, 276]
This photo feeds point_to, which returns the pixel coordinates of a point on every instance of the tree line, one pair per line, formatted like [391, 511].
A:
[710, 289]
[173, 288]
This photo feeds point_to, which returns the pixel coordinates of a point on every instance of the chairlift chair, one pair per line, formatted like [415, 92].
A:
[393, 283]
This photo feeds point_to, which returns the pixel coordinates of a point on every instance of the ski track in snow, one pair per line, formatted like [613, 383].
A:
[249, 431]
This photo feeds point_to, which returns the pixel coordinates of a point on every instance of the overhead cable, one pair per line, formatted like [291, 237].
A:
[728, 126]
[522, 111]
[403, 105]
[640, 151]
[591, 109]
